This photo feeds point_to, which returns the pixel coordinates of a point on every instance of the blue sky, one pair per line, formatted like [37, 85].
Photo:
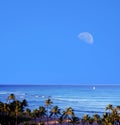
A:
[40, 44]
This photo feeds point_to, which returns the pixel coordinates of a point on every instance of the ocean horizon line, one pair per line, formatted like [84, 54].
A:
[61, 84]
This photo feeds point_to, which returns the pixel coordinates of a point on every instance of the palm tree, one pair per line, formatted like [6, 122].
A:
[48, 103]
[91, 121]
[1, 112]
[11, 97]
[55, 111]
[42, 112]
[86, 119]
[35, 114]
[96, 118]
[74, 120]
[5, 113]
[110, 117]
[68, 113]
[18, 108]
[109, 107]
[111, 114]
[61, 119]
[24, 103]
[118, 108]
[28, 112]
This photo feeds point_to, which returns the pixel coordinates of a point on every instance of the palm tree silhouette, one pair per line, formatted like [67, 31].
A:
[16, 106]
[61, 119]
[48, 103]
[68, 113]
[28, 112]
[55, 111]
[86, 119]
[11, 97]
[18, 109]
[96, 118]
[118, 108]
[35, 114]
[5, 113]
[74, 120]
[109, 107]
[42, 113]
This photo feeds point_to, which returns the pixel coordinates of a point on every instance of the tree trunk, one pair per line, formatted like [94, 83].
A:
[16, 120]
[47, 115]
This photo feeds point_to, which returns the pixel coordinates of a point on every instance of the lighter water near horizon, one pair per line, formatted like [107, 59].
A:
[84, 99]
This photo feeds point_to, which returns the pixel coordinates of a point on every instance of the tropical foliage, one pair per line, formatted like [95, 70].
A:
[15, 112]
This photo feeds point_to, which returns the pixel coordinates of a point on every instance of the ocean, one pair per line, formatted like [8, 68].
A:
[84, 99]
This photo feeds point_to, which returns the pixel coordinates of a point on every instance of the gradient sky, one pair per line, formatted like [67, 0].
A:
[40, 44]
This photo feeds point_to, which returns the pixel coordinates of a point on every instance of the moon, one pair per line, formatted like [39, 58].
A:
[86, 37]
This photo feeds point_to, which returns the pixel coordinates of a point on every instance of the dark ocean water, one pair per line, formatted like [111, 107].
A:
[84, 99]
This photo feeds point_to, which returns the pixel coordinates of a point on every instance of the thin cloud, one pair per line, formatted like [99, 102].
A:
[86, 37]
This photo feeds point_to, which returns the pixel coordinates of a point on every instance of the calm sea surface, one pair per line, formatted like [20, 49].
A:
[84, 99]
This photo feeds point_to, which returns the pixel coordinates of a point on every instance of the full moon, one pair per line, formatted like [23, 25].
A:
[86, 37]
